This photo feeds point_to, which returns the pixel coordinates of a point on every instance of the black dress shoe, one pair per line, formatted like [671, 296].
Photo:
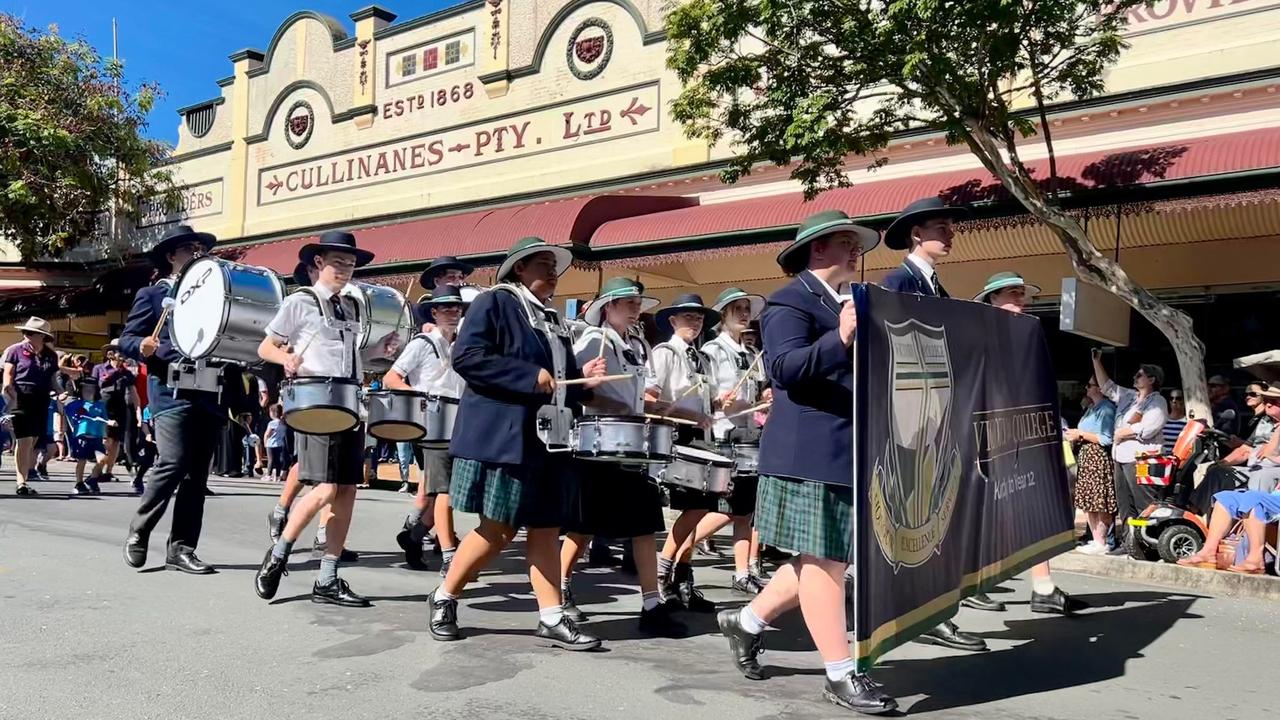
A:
[267, 581]
[746, 586]
[982, 601]
[948, 635]
[743, 646]
[687, 592]
[187, 562]
[568, 606]
[275, 525]
[338, 592]
[443, 625]
[1056, 602]
[660, 622]
[708, 548]
[859, 693]
[412, 550]
[135, 550]
[566, 635]
[757, 582]
[318, 550]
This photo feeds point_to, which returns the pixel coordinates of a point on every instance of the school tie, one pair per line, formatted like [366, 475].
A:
[338, 312]
[695, 359]
[937, 287]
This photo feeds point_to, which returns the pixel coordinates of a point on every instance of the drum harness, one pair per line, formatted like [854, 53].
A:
[348, 330]
[555, 421]
[188, 374]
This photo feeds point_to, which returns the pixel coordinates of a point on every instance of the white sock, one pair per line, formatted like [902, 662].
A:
[741, 575]
[442, 594]
[1043, 585]
[650, 600]
[750, 621]
[551, 616]
[839, 669]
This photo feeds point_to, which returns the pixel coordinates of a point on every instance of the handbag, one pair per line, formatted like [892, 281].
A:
[1231, 546]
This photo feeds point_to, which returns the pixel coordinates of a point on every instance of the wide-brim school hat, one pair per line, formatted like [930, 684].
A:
[689, 302]
[524, 247]
[1002, 280]
[733, 294]
[439, 265]
[898, 235]
[338, 240]
[795, 257]
[173, 237]
[615, 289]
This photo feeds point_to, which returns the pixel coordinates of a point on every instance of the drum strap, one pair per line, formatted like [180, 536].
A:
[554, 332]
[348, 328]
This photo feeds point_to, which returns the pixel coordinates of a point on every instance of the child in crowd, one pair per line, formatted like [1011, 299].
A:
[277, 463]
[146, 451]
[250, 442]
[88, 418]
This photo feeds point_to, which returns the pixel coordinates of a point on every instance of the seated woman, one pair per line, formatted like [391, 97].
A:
[1257, 509]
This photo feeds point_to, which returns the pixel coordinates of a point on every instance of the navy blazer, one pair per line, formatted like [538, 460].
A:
[906, 278]
[809, 435]
[148, 305]
[499, 355]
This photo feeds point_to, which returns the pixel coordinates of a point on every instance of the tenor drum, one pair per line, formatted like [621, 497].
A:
[746, 456]
[221, 309]
[617, 438]
[698, 469]
[397, 415]
[383, 311]
[321, 405]
[442, 411]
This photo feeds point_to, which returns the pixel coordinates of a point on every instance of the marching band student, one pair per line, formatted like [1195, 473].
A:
[681, 379]
[187, 422]
[511, 351]
[334, 461]
[618, 500]
[805, 498]
[1008, 291]
[730, 361]
[425, 366]
[926, 229]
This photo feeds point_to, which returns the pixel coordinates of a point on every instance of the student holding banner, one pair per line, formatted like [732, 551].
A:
[805, 499]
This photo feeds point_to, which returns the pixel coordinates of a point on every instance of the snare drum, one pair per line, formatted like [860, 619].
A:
[746, 456]
[700, 470]
[397, 415]
[221, 309]
[442, 411]
[321, 405]
[615, 438]
[382, 311]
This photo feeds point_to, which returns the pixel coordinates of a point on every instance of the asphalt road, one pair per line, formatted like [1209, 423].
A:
[83, 636]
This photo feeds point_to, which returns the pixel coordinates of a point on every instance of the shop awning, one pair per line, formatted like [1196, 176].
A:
[874, 200]
[476, 234]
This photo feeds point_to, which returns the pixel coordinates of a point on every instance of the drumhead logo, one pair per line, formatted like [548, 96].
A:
[590, 48]
[195, 286]
[299, 123]
[916, 482]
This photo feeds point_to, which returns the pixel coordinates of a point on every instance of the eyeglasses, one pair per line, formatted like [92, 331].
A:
[1253, 394]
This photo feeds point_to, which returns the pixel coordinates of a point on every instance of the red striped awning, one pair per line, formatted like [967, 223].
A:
[477, 233]
[1197, 157]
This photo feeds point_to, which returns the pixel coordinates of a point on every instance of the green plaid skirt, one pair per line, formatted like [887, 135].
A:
[810, 518]
[510, 494]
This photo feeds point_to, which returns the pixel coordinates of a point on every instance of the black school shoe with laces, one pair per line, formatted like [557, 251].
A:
[687, 592]
[661, 622]
[443, 625]
[859, 693]
[743, 646]
[566, 635]
[267, 581]
[338, 592]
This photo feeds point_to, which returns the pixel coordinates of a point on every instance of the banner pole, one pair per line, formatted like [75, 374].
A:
[853, 561]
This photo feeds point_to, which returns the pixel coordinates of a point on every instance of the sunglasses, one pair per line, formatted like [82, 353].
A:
[1253, 394]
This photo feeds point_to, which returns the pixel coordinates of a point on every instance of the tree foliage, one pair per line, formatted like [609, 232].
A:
[817, 84]
[72, 149]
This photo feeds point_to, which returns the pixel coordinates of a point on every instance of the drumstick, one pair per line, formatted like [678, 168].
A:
[603, 378]
[761, 406]
[680, 421]
[679, 397]
[164, 315]
[746, 374]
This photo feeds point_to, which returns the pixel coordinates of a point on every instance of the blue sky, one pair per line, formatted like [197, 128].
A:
[183, 46]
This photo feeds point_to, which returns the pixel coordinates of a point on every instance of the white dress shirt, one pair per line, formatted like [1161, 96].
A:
[327, 351]
[926, 270]
[587, 348]
[425, 365]
[674, 374]
[729, 360]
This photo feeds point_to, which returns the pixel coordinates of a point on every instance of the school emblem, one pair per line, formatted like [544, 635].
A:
[590, 48]
[299, 123]
[916, 482]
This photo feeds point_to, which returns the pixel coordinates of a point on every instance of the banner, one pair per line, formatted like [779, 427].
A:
[958, 450]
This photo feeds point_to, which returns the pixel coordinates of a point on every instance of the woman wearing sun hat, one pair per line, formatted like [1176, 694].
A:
[29, 369]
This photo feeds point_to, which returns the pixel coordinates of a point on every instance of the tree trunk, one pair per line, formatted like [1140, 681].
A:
[1093, 266]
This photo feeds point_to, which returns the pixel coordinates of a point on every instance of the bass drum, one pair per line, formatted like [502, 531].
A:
[221, 309]
[383, 311]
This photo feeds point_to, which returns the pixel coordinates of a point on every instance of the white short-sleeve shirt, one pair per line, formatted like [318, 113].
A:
[425, 365]
[326, 351]
[729, 360]
[674, 374]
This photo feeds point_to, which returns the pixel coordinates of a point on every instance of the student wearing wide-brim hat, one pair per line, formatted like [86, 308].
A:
[805, 496]
[685, 303]
[335, 241]
[30, 367]
[186, 424]
[507, 352]
[1008, 290]
[925, 229]
[795, 257]
[424, 366]
[609, 499]
[434, 275]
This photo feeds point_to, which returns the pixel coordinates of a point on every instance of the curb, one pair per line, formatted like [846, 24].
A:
[1213, 582]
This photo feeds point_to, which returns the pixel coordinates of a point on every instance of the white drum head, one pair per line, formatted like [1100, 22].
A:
[199, 306]
[700, 456]
[471, 292]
